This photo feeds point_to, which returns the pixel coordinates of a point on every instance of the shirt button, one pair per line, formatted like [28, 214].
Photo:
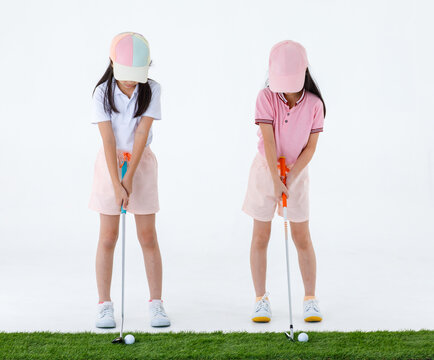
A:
[287, 114]
[286, 121]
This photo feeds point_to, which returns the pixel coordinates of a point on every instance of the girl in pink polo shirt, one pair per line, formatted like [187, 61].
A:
[290, 113]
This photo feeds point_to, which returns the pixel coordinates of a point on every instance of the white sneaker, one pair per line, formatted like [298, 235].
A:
[262, 310]
[105, 317]
[311, 312]
[159, 317]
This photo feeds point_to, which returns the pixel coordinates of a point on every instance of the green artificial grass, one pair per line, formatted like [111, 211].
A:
[217, 345]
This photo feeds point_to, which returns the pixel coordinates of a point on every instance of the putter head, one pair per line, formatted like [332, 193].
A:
[118, 340]
[289, 337]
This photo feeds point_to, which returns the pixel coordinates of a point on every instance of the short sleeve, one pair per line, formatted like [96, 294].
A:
[264, 111]
[154, 108]
[318, 118]
[99, 114]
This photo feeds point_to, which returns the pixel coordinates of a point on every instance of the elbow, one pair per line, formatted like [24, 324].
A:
[310, 151]
[109, 141]
[141, 133]
[269, 142]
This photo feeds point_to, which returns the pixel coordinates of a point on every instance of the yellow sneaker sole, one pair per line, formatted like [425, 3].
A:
[313, 319]
[261, 319]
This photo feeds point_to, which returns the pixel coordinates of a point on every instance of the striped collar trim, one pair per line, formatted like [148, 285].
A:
[282, 97]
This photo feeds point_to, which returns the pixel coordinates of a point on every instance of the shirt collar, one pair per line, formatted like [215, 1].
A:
[282, 97]
[119, 92]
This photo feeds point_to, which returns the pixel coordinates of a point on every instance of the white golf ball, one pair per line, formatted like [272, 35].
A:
[303, 337]
[129, 339]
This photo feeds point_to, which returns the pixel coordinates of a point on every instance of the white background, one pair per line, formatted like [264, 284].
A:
[372, 193]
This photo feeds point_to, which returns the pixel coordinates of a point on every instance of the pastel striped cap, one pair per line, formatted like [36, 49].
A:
[131, 57]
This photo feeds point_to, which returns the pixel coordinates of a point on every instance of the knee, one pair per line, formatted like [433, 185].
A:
[108, 239]
[260, 240]
[147, 238]
[301, 239]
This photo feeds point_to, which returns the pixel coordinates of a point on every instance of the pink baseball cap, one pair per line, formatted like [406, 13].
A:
[131, 57]
[287, 67]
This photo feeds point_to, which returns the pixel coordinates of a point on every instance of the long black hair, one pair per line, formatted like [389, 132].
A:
[143, 97]
[309, 85]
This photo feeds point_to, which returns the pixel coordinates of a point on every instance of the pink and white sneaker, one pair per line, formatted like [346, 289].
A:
[159, 317]
[105, 315]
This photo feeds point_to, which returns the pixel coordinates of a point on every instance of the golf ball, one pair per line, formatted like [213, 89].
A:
[129, 339]
[303, 337]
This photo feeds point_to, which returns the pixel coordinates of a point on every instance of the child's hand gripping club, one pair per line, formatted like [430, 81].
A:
[284, 170]
[124, 166]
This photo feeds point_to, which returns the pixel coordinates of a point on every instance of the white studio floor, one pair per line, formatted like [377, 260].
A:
[363, 283]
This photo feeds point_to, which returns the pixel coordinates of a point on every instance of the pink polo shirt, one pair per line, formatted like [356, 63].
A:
[292, 127]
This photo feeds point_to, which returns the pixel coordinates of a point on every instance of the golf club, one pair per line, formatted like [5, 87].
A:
[283, 174]
[124, 165]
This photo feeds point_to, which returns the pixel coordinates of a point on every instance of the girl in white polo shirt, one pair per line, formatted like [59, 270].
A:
[290, 113]
[125, 105]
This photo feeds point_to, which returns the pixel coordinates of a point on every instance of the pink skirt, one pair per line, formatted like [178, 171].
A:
[144, 197]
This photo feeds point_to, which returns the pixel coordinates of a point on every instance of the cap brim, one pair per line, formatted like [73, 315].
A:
[130, 73]
[291, 84]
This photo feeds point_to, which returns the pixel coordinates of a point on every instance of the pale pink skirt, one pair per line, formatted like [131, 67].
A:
[144, 197]
[260, 202]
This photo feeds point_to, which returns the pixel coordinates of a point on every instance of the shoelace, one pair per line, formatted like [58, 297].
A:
[262, 304]
[158, 310]
[311, 304]
[106, 310]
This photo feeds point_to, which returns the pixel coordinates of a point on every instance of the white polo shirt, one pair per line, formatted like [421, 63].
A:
[124, 123]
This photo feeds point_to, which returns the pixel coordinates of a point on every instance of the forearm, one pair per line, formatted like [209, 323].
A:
[111, 159]
[271, 156]
[304, 158]
[140, 139]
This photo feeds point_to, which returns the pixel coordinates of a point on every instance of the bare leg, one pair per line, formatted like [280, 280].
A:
[258, 254]
[306, 255]
[151, 253]
[108, 235]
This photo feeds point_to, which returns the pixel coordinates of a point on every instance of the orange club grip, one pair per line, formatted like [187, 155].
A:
[284, 203]
[284, 170]
[126, 156]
